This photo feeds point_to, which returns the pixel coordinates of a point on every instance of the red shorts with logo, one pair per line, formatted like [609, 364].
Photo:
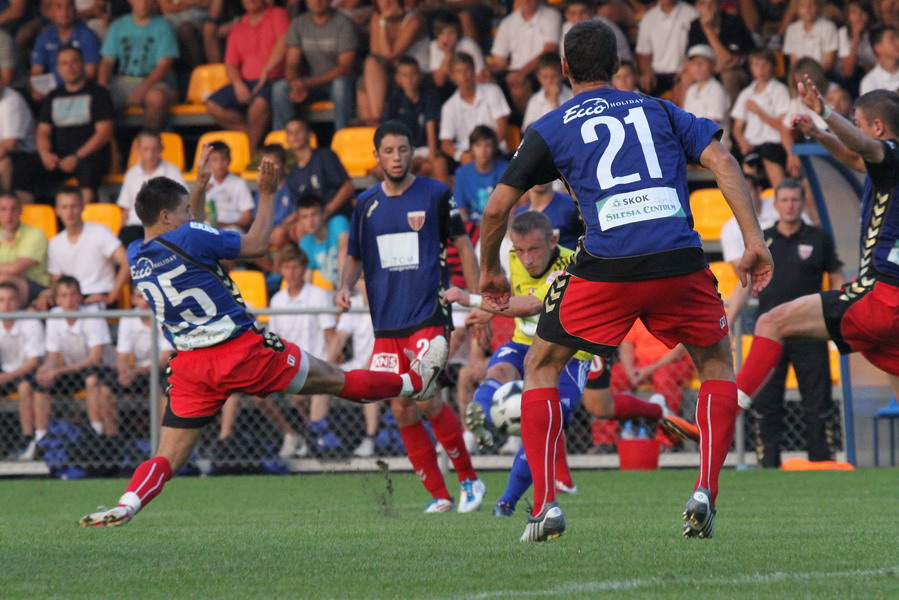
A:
[865, 320]
[200, 380]
[389, 354]
[594, 316]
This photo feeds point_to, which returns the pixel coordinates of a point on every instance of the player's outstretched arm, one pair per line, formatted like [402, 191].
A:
[349, 275]
[255, 242]
[198, 194]
[495, 288]
[828, 141]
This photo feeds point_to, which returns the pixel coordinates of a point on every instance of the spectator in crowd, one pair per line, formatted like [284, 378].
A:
[136, 66]
[841, 101]
[75, 357]
[395, 31]
[577, 11]
[561, 210]
[448, 40]
[729, 39]
[186, 18]
[812, 35]
[521, 38]
[74, 131]
[16, 131]
[855, 52]
[317, 171]
[802, 68]
[229, 203]
[552, 92]
[223, 14]
[89, 252]
[9, 55]
[21, 351]
[471, 105]
[95, 15]
[887, 12]
[66, 29]
[626, 78]
[474, 181]
[662, 44]
[254, 60]
[758, 143]
[285, 208]
[323, 240]
[23, 251]
[13, 13]
[706, 96]
[149, 165]
[884, 76]
[324, 40]
[419, 108]
[803, 255]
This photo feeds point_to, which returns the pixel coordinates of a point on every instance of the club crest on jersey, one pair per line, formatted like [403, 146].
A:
[805, 251]
[416, 219]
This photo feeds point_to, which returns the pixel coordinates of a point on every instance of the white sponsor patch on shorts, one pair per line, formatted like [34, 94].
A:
[385, 361]
[398, 251]
[640, 205]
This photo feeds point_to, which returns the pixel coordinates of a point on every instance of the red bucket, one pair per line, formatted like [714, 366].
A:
[639, 455]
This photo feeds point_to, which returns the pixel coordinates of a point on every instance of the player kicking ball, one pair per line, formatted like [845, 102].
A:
[219, 350]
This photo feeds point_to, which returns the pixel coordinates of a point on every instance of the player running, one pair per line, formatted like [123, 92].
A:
[219, 350]
[623, 157]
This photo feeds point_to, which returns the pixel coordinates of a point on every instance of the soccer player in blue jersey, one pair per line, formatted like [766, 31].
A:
[219, 350]
[623, 156]
[398, 237]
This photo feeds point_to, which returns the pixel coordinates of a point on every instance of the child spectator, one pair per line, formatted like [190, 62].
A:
[149, 165]
[729, 39]
[626, 78]
[855, 52]
[21, 350]
[471, 105]
[229, 203]
[419, 109]
[323, 240]
[885, 76]
[447, 41]
[578, 11]
[285, 209]
[706, 97]
[317, 171]
[812, 35]
[662, 44]
[75, 358]
[552, 92]
[475, 181]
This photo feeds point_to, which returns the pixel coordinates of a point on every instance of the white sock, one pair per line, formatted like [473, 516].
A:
[744, 400]
[39, 434]
[97, 426]
[131, 500]
[408, 389]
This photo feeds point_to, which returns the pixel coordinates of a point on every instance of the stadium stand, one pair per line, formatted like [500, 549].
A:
[109, 215]
[237, 141]
[42, 217]
[354, 147]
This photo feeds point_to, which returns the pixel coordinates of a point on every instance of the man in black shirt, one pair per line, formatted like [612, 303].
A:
[803, 254]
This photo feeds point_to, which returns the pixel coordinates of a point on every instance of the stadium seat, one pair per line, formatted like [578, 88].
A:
[355, 148]
[513, 137]
[41, 216]
[104, 214]
[710, 213]
[726, 276]
[172, 150]
[204, 80]
[236, 140]
[251, 285]
[780, 65]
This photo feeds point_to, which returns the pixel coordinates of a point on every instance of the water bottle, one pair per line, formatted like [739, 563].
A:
[211, 214]
[642, 434]
[627, 432]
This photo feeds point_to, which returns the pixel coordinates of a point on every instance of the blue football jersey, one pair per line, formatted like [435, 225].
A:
[401, 242]
[623, 156]
[179, 274]
[879, 247]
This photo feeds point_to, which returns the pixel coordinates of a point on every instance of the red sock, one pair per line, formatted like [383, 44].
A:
[146, 483]
[541, 428]
[374, 385]
[448, 430]
[764, 354]
[716, 413]
[563, 474]
[423, 456]
[628, 406]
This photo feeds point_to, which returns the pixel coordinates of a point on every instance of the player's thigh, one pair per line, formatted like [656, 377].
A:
[799, 318]
[176, 444]
[322, 378]
[544, 363]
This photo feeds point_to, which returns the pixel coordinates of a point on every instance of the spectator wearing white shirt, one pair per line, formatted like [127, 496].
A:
[520, 39]
[854, 51]
[16, 130]
[812, 35]
[447, 41]
[75, 357]
[552, 92]
[471, 105]
[21, 351]
[577, 11]
[148, 166]
[228, 193]
[662, 44]
[885, 76]
[706, 97]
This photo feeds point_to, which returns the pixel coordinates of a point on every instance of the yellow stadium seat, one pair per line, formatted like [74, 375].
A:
[41, 216]
[172, 150]
[780, 65]
[204, 80]
[726, 276]
[251, 285]
[104, 214]
[513, 137]
[355, 147]
[237, 141]
[710, 212]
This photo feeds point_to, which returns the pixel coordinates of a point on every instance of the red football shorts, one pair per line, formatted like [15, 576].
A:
[255, 363]
[596, 315]
[865, 320]
[389, 354]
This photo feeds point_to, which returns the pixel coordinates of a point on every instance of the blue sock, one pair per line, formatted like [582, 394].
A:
[484, 395]
[519, 479]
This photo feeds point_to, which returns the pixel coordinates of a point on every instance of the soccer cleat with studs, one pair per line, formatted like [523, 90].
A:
[699, 515]
[549, 525]
[439, 505]
[476, 421]
[114, 517]
[680, 428]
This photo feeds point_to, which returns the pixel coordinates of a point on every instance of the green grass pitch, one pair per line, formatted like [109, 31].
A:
[778, 535]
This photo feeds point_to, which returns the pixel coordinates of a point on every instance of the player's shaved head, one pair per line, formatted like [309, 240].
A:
[532, 220]
[591, 52]
[882, 105]
[156, 195]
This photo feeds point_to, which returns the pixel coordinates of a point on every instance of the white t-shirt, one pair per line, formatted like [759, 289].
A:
[16, 121]
[23, 341]
[664, 36]
[624, 45]
[732, 240]
[865, 55]
[712, 102]
[232, 197]
[822, 38]
[458, 118]
[466, 45]
[539, 105]
[135, 177]
[879, 78]
[359, 326]
[521, 41]
[75, 341]
[796, 107]
[306, 331]
[88, 259]
[774, 100]
[135, 338]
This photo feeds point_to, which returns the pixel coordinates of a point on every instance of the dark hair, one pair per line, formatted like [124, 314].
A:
[220, 147]
[883, 105]
[461, 57]
[532, 220]
[444, 19]
[68, 190]
[549, 60]
[310, 200]
[70, 48]
[408, 61]
[790, 183]
[807, 66]
[12, 197]
[391, 127]
[9, 285]
[156, 195]
[148, 133]
[275, 150]
[482, 132]
[588, 3]
[766, 54]
[875, 35]
[291, 252]
[66, 280]
[591, 50]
